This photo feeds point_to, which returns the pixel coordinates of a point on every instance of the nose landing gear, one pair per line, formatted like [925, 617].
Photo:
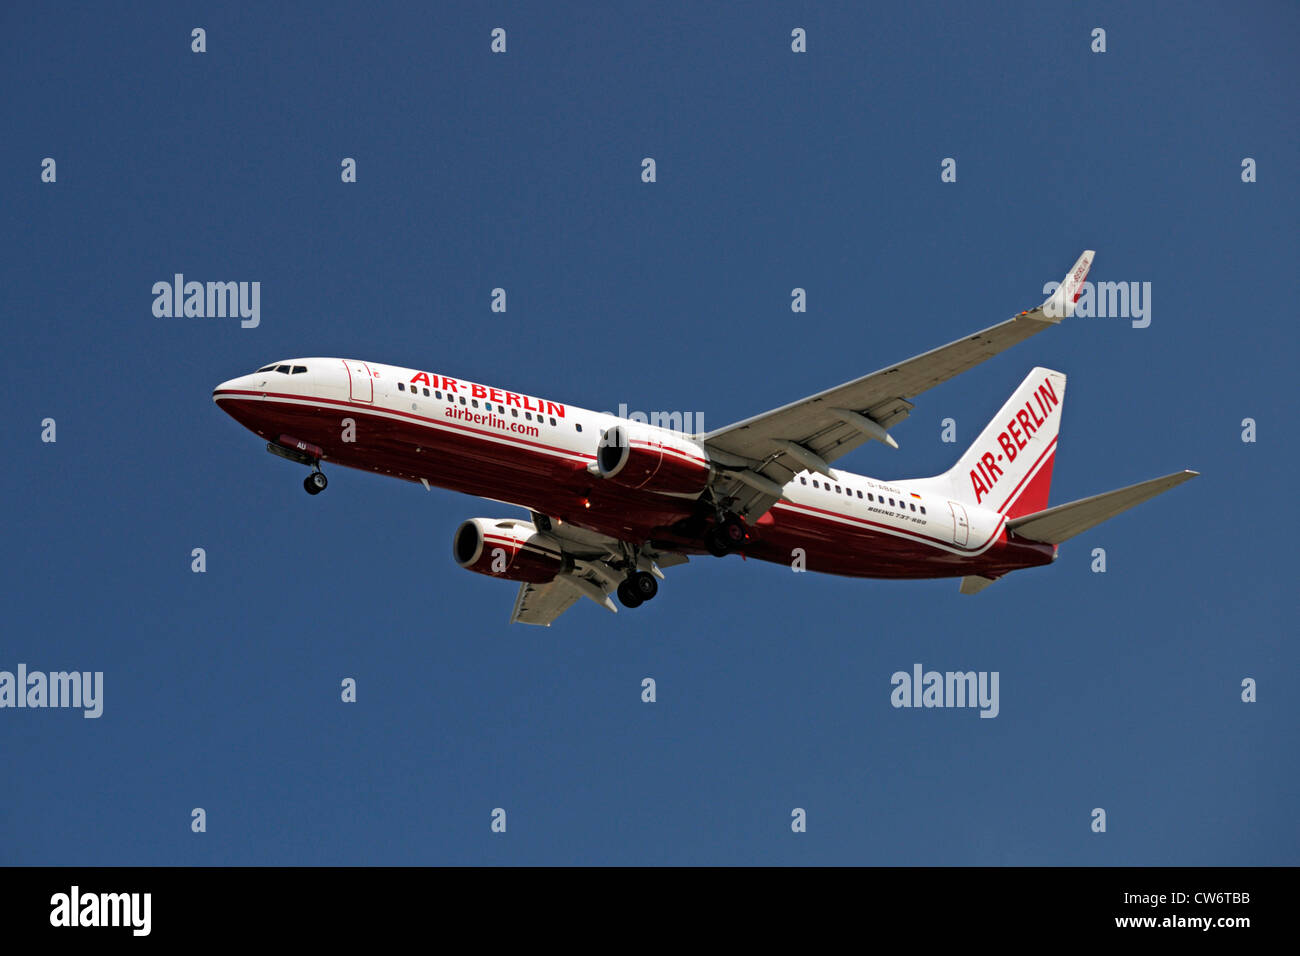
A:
[291, 449]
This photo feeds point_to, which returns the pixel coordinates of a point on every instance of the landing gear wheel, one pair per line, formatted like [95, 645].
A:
[726, 537]
[628, 595]
[315, 483]
[644, 584]
[717, 547]
[732, 531]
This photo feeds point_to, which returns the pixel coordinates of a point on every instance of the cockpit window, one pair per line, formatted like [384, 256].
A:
[266, 368]
[299, 369]
[282, 369]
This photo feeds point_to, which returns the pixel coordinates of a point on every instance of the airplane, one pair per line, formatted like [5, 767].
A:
[613, 501]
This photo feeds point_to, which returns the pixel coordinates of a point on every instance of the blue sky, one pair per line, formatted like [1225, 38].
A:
[775, 170]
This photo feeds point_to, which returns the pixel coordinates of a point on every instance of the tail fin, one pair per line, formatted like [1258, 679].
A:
[1009, 466]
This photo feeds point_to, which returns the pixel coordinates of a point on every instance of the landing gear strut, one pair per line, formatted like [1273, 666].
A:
[637, 588]
[315, 482]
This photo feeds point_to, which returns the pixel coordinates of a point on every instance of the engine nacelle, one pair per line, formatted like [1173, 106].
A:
[653, 461]
[508, 548]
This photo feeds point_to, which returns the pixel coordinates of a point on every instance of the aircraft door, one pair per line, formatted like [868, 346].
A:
[361, 386]
[960, 524]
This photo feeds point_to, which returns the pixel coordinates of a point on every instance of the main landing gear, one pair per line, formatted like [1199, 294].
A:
[726, 536]
[315, 482]
[637, 588]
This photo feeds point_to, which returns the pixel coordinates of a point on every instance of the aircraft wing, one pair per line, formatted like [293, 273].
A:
[759, 455]
[595, 573]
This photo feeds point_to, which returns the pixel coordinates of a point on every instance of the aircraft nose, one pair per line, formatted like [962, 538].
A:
[234, 384]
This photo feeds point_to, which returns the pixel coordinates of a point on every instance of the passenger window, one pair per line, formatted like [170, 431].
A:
[578, 426]
[913, 507]
[815, 485]
[514, 412]
[891, 502]
[426, 393]
[552, 421]
[837, 489]
[803, 480]
[922, 509]
[528, 415]
[474, 402]
[859, 494]
[437, 394]
[870, 496]
[462, 399]
[401, 386]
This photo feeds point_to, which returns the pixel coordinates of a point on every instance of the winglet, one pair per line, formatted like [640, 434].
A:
[1061, 303]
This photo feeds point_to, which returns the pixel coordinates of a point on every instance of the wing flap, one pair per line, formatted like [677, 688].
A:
[541, 604]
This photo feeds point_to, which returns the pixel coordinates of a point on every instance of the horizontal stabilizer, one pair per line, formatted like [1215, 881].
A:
[1063, 522]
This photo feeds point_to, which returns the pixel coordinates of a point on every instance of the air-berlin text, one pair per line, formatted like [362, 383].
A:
[454, 387]
[1014, 437]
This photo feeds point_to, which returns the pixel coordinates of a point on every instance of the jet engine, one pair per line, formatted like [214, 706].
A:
[652, 461]
[508, 548]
